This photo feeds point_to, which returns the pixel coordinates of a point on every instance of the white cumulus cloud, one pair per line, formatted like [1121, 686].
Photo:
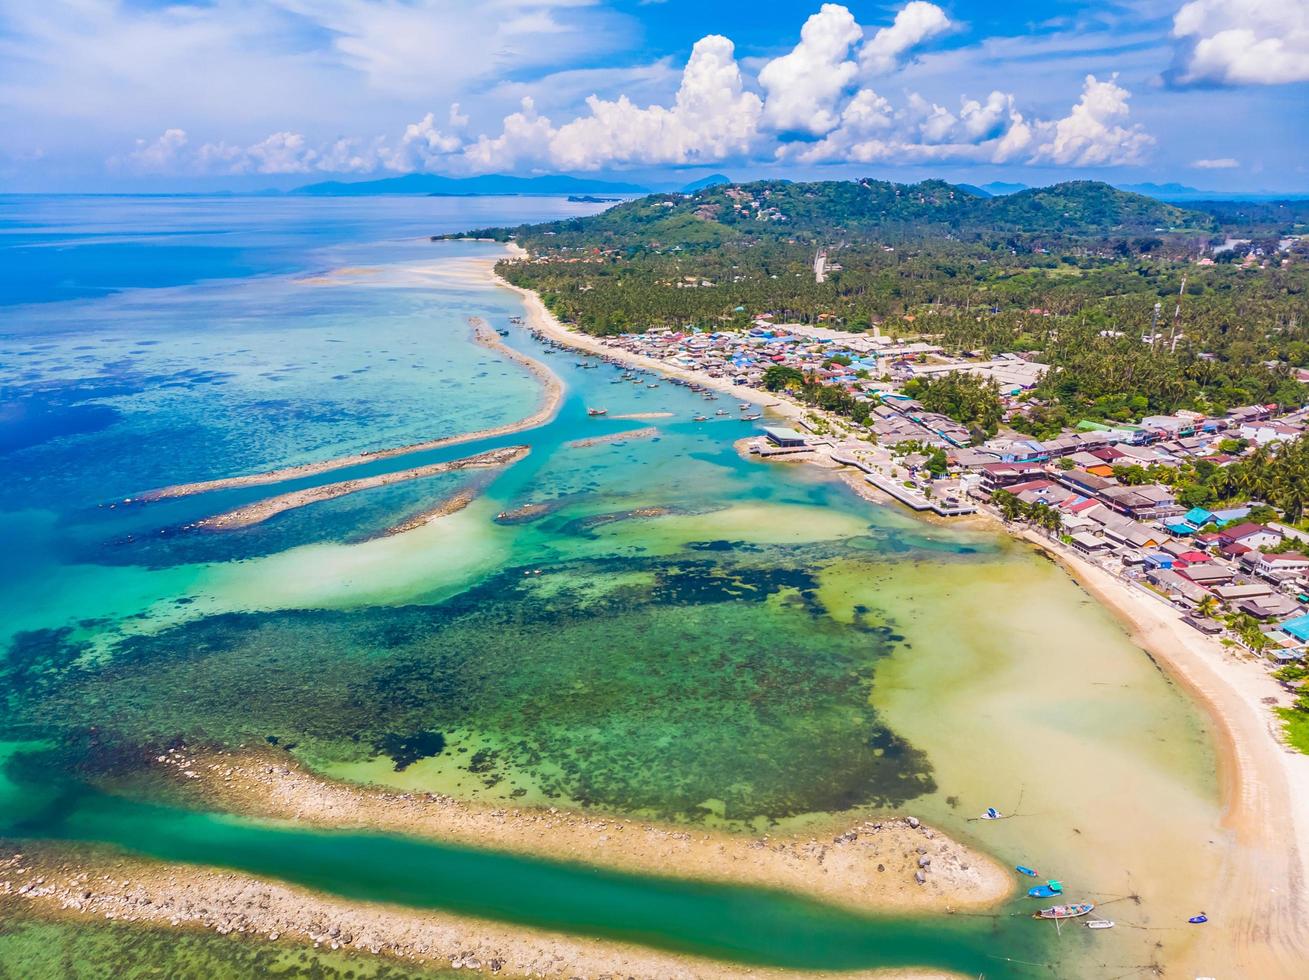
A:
[817, 107]
[872, 131]
[1241, 42]
[1093, 134]
[1096, 132]
[523, 138]
[712, 117]
[915, 23]
[1222, 163]
[804, 86]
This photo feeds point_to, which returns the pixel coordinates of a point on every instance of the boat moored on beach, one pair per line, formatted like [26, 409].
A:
[1065, 911]
[597, 411]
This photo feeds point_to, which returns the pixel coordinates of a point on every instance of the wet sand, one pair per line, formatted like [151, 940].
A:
[93, 882]
[262, 510]
[552, 397]
[1265, 784]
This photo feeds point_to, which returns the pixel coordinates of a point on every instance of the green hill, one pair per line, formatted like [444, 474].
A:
[864, 211]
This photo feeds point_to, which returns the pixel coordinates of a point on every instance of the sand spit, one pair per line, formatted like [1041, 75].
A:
[867, 864]
[91, 882]
[553, 394]
[647, 433]
[262, 510]
[891, 864]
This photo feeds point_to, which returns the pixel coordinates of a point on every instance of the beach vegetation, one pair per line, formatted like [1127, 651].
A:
[1295, 726]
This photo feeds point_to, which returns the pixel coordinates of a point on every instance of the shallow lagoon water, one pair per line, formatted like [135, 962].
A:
[760, 650]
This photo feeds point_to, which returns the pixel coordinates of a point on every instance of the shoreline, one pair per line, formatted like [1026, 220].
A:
[1263, 784]
[539, 318]
[552, 398]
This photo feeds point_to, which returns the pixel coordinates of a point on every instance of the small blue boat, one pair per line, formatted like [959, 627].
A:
[1049, 890]
[1025, 871]
[1197, 920]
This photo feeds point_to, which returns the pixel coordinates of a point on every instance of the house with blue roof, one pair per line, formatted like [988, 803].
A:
[1198, 517]
[1298, 628]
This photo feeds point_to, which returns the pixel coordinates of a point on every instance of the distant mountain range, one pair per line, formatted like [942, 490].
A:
[487, 184]
[496, 184]
[711, 181]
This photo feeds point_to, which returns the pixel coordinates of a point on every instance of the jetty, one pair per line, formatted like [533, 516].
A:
[946, 506]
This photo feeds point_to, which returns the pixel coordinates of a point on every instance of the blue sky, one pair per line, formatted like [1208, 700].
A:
[143, 94]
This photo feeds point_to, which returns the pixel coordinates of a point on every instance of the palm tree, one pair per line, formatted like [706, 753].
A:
[1208, 606]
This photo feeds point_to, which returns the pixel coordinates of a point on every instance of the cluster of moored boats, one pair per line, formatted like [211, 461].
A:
[1072, 910]
[636, 376]
[641, 376]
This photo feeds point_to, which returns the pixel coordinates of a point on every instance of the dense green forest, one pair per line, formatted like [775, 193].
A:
[1079, 276]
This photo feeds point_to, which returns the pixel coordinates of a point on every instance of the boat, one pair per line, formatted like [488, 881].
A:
[1100, 924]
[721, 411]
[744, 406]
[652, 386]
[751, 418]
[1048, 890]
[991, 814]
[700, 418]
[597, 411]
[1022, 870]
[1064, 911]
[1197, 920]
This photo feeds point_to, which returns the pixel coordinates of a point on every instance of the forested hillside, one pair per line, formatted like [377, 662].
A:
[864, 211]
[1071, 273]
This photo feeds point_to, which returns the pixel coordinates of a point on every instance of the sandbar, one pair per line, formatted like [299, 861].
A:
[647, 433]
[262, 510]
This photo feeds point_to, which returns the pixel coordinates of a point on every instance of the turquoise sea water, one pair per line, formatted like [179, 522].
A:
[675, 632]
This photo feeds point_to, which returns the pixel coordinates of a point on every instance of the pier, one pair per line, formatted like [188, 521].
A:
[910, 497]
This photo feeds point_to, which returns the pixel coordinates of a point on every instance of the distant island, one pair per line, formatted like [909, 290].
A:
[591, 199]
[429, 185]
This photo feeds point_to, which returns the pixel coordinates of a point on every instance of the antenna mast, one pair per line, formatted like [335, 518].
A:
[1177, 316]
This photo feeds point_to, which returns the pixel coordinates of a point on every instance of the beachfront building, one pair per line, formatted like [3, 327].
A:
[785, 438]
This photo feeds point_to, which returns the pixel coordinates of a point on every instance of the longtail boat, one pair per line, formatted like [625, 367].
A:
[1064, 911]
